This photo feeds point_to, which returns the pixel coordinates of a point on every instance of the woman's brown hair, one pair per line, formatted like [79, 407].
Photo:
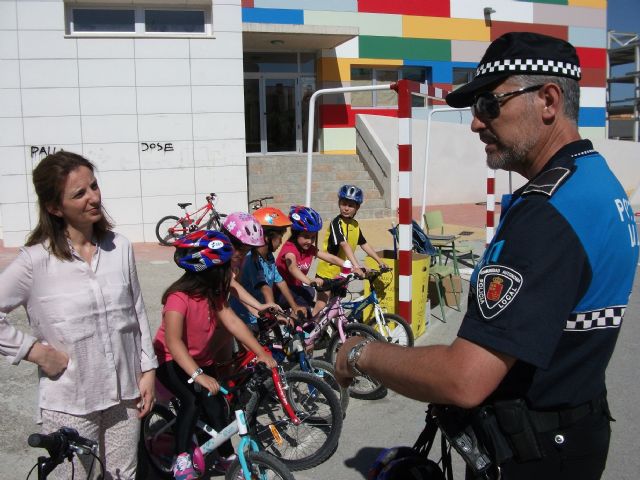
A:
[49, 178]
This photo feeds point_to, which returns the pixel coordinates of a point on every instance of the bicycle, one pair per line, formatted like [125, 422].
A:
[332, 321]
[257, 203]
[170, 228]
[286, 343]
[284, 419]
[158, 440]
[392, 327]
[302, 438]
[62, 444]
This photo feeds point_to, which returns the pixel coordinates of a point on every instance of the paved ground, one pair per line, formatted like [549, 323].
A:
[369, 426]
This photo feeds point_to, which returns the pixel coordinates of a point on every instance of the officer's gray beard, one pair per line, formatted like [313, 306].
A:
[514, 157]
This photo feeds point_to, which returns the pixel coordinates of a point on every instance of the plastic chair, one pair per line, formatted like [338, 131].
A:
[447, 245]
[438, 273]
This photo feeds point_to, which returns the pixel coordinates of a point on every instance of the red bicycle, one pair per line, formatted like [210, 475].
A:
[170, 228]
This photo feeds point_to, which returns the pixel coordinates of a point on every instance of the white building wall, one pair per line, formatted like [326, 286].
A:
[114, 100]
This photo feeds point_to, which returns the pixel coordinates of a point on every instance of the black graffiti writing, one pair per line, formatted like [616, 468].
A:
[156, 147]
[39, 150]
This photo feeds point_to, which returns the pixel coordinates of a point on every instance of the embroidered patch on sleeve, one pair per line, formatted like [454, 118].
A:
[496, 288]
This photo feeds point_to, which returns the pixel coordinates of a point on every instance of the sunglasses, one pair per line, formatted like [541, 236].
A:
[487, 104]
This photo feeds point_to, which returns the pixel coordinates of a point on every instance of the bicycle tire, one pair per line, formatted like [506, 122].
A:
[262, 465]
[164, 236]
[318, 432]
[399, 330]
[329, 376]
[364, 388]
[159, 450]
[215, 222]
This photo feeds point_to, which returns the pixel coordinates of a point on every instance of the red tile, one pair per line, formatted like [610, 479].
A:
[342, 116]
[593, 77]
[425, 8]
[500, 28]
[592, 57]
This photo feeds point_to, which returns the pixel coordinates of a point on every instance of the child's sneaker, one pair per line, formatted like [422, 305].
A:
[183, 468]
[222, 464]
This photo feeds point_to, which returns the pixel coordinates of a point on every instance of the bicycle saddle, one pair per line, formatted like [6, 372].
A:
[184, 205]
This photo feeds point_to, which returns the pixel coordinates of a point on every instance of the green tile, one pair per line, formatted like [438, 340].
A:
[404, 48]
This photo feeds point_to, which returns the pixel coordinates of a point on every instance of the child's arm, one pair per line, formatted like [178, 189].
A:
[253, 305]
[327, 257]
[357, 269]
[239, 330]
[368, 249]
[286, 293]
[292, 266]
[174, 325]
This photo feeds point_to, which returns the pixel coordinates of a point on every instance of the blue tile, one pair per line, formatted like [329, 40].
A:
[592, 117]
[272, 15]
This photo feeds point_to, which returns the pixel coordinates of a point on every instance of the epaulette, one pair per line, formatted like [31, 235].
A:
[547, 182]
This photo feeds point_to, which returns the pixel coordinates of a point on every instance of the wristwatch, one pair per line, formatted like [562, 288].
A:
[354, 355]
[194, 375]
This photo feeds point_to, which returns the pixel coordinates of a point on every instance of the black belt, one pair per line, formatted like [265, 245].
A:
[553, 420]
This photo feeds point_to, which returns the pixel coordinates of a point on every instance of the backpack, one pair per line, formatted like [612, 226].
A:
[420, 240]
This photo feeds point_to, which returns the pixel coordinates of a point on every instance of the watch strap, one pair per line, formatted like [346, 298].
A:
[195, 374]
[354, 355]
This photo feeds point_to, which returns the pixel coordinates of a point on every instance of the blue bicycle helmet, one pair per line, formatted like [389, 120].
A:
[351, 192]
[305, 219]
[202, 250]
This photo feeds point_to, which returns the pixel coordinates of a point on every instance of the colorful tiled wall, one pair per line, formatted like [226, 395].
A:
[441, 35]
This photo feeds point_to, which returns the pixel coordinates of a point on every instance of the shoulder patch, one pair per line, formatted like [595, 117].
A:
[547, 182]
[497, 286]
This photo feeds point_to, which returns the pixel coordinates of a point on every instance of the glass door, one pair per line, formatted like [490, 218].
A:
[283, 127]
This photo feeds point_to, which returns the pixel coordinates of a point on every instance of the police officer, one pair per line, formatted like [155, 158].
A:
[547, 300]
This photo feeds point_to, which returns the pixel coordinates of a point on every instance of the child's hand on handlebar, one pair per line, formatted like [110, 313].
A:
[359, 272]
[267, 359]
[208, 383]
[270, 308]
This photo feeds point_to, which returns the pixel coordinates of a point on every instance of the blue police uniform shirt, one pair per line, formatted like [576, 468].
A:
[256, 272]
[553, 285]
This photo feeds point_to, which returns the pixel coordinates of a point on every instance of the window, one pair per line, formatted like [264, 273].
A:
[462, 76]
[363, 76]
[137, 20]
[101, 20]
[182, 21]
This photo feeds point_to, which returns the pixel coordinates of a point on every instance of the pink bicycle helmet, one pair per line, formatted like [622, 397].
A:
[245, 228]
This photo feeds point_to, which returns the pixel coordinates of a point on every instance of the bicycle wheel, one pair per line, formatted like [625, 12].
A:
[395, 329]
[362, 387]
[169, 229]
[316, 437]
[326, 372]
[158, 440]
[215, 221]
[262, 465]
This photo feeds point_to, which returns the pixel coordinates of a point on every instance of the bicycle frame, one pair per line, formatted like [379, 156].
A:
[187, 220]
[333, 313]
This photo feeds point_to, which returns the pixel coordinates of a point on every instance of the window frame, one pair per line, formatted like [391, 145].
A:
[139, 20]
[375, 81]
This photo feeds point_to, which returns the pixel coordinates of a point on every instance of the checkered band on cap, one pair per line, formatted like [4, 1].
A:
[530, 66]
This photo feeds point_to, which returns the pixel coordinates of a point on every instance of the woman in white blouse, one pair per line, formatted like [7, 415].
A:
[91, 341]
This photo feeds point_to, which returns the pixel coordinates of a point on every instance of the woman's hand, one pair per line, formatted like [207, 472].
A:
[267, 359]
[209, 383]
[147, 387]
[52, 362]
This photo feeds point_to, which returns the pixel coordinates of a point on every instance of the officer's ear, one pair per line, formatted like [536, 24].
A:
[551, 95]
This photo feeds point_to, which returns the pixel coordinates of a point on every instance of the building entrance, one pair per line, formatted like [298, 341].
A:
[277, 88]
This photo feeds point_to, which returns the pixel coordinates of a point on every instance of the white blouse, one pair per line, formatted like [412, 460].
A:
[94, 313]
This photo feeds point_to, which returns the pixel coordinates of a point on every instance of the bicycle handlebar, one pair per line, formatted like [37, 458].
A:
[59, 442]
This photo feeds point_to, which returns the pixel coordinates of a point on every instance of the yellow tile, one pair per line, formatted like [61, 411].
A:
[339, 152]
[588, 3]
[445, 28]
[339, 69]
